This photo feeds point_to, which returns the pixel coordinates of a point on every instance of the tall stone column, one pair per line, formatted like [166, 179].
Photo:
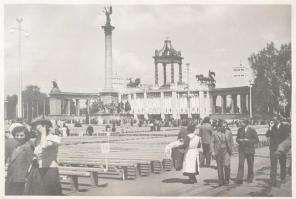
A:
[223, 104]
[156, 74]
[162, 105]
[164, 74]
[247, 103]
[174, 105]
[145, 106]
[232, 104]
[136, 106]
[241, 104]
[235, 103]
[88, 103]
[244, 103]
[214, 98]
[68, 107]
[172, 74]
[108, 28]
[77, 107]
[180, 73]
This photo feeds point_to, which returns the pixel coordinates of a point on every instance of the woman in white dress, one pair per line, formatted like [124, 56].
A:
[191, 157]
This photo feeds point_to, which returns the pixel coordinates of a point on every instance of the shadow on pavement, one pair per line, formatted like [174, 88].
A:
[175, 180]
[211, 181]
[262, 170]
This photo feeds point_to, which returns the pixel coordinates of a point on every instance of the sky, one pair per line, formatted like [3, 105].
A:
[66, 42]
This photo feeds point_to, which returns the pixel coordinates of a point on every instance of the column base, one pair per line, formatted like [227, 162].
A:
[108, 97]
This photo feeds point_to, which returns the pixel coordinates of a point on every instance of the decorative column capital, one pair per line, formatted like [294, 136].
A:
[108, 29]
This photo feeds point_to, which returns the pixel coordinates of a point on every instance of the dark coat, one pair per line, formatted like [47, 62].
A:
[182, 133]
[285, 131]
[277, 135]
[285, 146]
[20, 163]
[10, 145]
[247, 147]
[217, 145]
[206, 132]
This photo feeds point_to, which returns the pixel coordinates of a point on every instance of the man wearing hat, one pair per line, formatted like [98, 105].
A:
[221, 148]
[246, 138]
[206, 133]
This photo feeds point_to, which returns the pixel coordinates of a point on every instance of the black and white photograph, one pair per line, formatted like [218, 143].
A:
[131, 98]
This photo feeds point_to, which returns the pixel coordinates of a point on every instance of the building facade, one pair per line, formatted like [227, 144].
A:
[170, 99]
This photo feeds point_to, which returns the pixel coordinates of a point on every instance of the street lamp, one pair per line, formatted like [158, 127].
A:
[20, 31]
[251, 109]
[188, 92]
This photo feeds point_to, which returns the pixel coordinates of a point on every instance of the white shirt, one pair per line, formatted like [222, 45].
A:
[246, 128]
[47, 150]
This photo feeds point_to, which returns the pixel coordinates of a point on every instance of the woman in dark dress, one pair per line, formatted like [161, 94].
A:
[18, 160]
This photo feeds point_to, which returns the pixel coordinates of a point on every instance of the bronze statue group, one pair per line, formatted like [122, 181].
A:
[196, 147]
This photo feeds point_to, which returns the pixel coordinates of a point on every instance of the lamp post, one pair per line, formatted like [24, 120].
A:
[5, 109]
[251, 107]
[188, 92]
[20, 31]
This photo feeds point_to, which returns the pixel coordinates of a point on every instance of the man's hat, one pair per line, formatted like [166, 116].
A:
[43, 122]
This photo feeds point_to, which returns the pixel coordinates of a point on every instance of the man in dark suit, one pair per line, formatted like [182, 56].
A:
[284, 148]
[206, 133]
[277, 132]
[246, 138]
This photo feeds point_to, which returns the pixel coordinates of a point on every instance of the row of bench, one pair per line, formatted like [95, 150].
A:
[127, 160]
[128, 172]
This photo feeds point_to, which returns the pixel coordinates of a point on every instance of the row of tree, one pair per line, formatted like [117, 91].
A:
[272, 86]
[35, 103]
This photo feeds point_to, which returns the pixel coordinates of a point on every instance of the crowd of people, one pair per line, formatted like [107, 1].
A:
[31, 153]
[198, 144]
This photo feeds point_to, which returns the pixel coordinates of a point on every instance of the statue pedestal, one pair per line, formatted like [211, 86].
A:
[108, 97]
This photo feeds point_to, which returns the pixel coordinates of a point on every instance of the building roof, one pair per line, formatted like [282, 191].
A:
[167, 54]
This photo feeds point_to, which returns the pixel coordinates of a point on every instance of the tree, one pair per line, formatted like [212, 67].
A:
[34, 101]
[272, 70]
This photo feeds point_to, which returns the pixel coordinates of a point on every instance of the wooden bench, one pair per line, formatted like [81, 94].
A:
[73, 173]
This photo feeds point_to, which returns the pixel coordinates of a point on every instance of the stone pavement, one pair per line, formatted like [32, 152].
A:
[172, 183]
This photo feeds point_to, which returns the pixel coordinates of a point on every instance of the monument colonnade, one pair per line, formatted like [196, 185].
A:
[60, 102]
[233, 94]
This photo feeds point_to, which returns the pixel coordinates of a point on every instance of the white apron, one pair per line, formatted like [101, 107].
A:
[191, 156]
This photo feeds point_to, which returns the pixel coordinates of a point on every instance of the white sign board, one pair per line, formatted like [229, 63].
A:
[105, 148]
